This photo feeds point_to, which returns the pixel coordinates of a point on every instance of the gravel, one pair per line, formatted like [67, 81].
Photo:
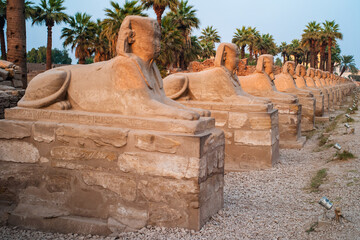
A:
[272, 204]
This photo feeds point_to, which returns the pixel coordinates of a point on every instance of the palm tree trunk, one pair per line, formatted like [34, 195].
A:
[284, 59]
[2, 39]
[159, 10]
[322, 56]
[329, 55]
[312, 53]
[250, 52]
[16, 36]
[82, 61]
[48, 47]
[243, 51]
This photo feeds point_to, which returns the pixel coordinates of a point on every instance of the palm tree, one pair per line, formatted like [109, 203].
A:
[209, 36]
[28, 9]
[283, 49]
[331, 32]
[100, 44]
[296, 50]
[266, 44]
[16, 35]
[254, 37]
[193, 51]
[347, 62]
[115, 17]
[49, 12]
[159, 6]
[79, 35]
[241, 39]
[311, 35]
[185, 19]
[171, 41]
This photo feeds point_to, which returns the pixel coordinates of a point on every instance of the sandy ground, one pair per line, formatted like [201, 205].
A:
[276, 203]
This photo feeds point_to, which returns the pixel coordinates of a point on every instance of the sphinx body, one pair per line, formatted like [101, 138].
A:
[299, 78]
[218, 89]
[284, 82]
[129, 84]
[261, 84]
[310, 81]
[321, 84]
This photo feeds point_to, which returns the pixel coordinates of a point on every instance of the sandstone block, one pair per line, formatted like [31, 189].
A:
[44, 132]
[159, 165]
[17, 151]
[121, 185]
[81, 154]
[253, 137]
[14, 129]
[101, 136]
[156, 143]
[130, 217]
[237, 120]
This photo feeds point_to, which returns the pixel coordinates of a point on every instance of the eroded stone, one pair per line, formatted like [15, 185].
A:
[16, 151]
[156, 143]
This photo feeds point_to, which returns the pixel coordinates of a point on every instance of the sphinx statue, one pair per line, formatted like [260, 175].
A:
[321, 83]
[261, 84]
[310, 81]
[218, 89]
[129, 84]
[285, 82]
[106, 135]
[300, 73]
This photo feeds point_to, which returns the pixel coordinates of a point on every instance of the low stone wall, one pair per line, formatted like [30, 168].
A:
[93, 173]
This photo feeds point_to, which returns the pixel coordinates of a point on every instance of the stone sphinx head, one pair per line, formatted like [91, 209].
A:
[300, 70]
[227, 55]
[265, 65]
[141, 36]
[288, 68]
[318, 73]
[310, 72]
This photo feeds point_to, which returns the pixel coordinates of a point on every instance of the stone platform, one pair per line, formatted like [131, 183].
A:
[251, 134]
[94, 173]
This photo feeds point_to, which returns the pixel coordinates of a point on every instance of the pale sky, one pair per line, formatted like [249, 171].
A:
[284, 19]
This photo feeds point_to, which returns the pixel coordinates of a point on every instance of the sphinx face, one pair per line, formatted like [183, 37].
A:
[268, 68]
[232, 59]
[291, 69]
[147, 43]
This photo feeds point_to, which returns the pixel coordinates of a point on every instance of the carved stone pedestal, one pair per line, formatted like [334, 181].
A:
[251, 134]
[94, 173]
[290, 125]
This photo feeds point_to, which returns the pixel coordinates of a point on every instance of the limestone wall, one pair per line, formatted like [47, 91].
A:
[9, 98]
[104, 173]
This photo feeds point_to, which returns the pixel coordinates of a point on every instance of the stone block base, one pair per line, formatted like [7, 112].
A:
[293, 144]
[93, 173]
[324, 118]
[251, 134]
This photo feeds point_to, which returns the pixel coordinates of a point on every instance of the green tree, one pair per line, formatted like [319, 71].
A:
[242, 38]
[114, 18]
[278, 62]
[209, 36]
[331, 32]
[159, 7]
[266, 44]
[39, 56]
[347, 62]
[49, 12]
[296, 50]
[171, 41]
[254, 38]
[100, 43]
[79, 35]
[284, 50]
[311, 35]
[185, 19]
[193, 52]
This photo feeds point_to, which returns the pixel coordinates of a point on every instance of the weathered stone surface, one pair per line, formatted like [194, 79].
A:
[237, 120]
[14, 129]
[154, 189]
[39, 211]
[44, 131]
[159, 165]
[162, 214]
[131, 217]
[17, 151]
[123, 186]
[81, 154]
[253, 137]
[101, 136]
[221, 118]
[156, 143]
[261, 122]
